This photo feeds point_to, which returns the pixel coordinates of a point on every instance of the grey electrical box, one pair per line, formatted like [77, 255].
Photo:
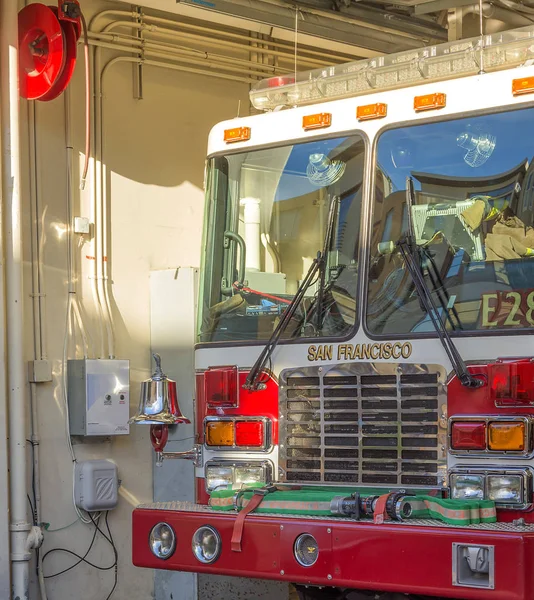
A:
[96, 485]
[98, 393]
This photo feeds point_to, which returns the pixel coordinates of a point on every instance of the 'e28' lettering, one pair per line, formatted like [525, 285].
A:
[508, 309]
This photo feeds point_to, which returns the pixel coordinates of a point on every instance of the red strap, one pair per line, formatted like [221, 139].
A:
[380, 515]
[239, 524]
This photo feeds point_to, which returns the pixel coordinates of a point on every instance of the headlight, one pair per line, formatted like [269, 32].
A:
[206, 544]
[306, 550]
[507, 489]
[162, 541]
[227, 473]
[217, 476]
[248, 475]
[467, 487]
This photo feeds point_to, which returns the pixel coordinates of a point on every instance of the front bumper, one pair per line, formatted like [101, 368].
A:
[413, 556]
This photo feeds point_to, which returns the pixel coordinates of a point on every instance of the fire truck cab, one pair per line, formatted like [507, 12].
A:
[383, 212]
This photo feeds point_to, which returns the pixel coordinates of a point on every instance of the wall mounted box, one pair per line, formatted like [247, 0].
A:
[98, 393]
[96, 485]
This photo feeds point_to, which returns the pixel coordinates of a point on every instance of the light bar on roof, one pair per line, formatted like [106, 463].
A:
[412, 67]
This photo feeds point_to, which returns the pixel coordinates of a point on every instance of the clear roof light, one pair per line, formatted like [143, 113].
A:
[452, 59]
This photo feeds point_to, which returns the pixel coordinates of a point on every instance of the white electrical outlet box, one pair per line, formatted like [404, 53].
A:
[96, 485]
[98, 396]
[39, 371]
[82, 225]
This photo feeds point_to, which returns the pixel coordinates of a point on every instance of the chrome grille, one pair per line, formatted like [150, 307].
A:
[373, 425]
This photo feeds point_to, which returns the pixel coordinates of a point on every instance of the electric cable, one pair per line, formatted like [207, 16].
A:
[108, 537]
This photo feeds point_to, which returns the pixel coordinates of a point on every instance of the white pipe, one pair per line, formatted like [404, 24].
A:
[252, 219]
[187, 53]
[324, 56]
[98, 208]
[71, 262]
[214, 72]
[12, 231]
[173, 34]
[39, 349]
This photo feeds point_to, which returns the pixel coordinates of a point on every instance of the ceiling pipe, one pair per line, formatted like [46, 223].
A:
[221, 34]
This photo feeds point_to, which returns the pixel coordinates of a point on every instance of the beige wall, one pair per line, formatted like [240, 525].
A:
[154, 153]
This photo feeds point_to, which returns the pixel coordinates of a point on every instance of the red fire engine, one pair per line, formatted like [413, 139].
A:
[365, 380]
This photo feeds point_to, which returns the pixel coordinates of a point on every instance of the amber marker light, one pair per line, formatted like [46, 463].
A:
[318, 121]
[371, 111]
[237, 134]
[220, 433]
[525, 85]
[429, 102]
[506, 436]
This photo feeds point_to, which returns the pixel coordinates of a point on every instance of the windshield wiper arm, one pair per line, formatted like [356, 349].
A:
[327, 247]
[410, 253]
[253, 383]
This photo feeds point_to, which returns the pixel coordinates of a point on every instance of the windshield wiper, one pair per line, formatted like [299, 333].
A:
[410, 253]
[319, 265]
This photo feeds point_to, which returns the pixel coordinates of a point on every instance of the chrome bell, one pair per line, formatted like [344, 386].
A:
[158, 404]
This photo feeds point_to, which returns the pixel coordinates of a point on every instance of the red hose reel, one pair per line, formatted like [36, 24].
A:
[48, 36]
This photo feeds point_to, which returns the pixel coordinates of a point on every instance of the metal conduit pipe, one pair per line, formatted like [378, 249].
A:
[186, 52]
[211, 31]
[99, 256]
[185, 69]
[171, 34]
[145, 48]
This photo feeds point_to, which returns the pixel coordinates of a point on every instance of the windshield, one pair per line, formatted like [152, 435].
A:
[267, 218]
[471, 216]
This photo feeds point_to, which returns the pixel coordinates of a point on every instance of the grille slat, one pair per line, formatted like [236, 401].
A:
[358, 425]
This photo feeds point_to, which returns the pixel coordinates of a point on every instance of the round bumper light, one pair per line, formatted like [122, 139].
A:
[162, 541]
[206, 544]
[306, 550]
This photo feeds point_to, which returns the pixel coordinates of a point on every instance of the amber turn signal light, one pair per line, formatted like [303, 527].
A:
[318, 121]
[525, 85]
[371, 111]
[220, 433]
[237, 134]
[429, 102]
[504, 435]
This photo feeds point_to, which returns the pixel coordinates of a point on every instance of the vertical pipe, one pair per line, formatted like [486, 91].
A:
[104, 281]
[96, 207]
[11, 176]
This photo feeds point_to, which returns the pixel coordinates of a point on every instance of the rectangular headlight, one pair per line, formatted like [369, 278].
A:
[236, 474]
[467, 487]
[248, 475]
[218, 476]
[506, 489]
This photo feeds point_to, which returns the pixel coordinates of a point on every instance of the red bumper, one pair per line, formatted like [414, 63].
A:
[388, 557]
